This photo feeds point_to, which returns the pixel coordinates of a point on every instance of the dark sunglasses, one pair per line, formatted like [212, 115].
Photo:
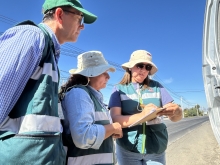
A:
[81, 20]
[148, 67]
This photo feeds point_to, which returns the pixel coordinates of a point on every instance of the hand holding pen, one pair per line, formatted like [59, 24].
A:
[173, 111]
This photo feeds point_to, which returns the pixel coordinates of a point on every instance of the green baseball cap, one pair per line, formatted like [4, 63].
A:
[50, 4]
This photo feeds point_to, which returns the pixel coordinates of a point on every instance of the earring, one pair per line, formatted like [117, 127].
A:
[87, 82]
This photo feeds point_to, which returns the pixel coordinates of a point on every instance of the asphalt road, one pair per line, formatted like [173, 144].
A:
[197, 147]
[176, 130]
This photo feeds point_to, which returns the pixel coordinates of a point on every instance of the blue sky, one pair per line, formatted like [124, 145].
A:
[171, 31]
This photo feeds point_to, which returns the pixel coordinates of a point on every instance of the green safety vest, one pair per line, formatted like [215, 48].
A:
[31, 134]
[142, 138]
[103, 155]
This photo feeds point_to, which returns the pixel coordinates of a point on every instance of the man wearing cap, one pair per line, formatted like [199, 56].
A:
[30, 128]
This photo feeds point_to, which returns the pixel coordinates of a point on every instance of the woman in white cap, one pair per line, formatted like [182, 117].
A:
[88, 128]
[147, 141]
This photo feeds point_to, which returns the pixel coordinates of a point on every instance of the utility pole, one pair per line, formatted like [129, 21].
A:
[197, 109]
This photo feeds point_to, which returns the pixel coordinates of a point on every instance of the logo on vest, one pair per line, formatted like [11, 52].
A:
[150, 89]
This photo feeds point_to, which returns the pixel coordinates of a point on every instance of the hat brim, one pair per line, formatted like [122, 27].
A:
[88, 16]
[93, 71]
[133, 63]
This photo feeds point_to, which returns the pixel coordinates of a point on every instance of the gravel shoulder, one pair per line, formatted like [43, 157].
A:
[198, 147]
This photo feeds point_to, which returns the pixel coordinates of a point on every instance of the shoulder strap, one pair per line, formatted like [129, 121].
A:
[48, 40]
[85, 88]
[27, 22]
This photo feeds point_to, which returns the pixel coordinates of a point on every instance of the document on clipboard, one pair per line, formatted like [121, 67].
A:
[152, 115]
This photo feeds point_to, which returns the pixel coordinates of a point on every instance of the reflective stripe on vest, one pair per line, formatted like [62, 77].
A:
[101, 116]
[102, 158]
[135, 96]
[31, 123]
[47, 70]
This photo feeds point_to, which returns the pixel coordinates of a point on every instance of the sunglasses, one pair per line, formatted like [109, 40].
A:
[148, 67]
[81, 20]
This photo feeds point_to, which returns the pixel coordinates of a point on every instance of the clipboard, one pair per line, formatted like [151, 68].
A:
[152, 115]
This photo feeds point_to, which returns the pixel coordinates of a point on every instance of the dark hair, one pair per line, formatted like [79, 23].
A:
[75, 79]
[126, 79]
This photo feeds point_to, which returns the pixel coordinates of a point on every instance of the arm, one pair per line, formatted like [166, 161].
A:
[173, 111]
[125, 120]
[113, 129]
[20, 52]
[81, 115]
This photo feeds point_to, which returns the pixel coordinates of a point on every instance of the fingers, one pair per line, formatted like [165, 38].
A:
[148, 109]
[148, 105]
[167, 113]
[171, 110]
[169, 105]
[142, 105]
[117, 130]
[116, 136]
[151, 105]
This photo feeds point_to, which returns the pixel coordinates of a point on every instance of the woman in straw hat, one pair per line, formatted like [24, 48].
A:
[146, 141]
[88, 128]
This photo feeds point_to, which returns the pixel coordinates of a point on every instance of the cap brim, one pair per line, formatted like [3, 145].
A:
[88, 16]
[93, 71]
[132, 64]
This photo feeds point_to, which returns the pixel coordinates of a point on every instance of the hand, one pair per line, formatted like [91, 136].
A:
[172, 110]
[117, 130]
[148, 108]
[116, 136]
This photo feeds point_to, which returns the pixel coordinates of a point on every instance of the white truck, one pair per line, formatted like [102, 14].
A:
[211, 63]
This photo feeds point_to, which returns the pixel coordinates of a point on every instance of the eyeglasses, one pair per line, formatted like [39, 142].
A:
[81, 20]
[148, 67]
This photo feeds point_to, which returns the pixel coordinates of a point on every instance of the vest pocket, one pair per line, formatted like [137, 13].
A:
[157, 138]
[33, 149]
[129, 141]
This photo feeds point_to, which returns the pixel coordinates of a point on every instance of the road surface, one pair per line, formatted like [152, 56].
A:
[196, 147]
[178, 129]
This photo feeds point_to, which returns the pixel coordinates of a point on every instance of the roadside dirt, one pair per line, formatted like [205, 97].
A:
[198, 147]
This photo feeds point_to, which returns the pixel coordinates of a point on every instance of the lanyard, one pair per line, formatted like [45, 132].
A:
[140, 101]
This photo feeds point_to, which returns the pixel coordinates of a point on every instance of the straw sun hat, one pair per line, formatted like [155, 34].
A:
[91, 64]
[140, 56]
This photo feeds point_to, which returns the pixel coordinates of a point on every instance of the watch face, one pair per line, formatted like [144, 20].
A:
[211, 63]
